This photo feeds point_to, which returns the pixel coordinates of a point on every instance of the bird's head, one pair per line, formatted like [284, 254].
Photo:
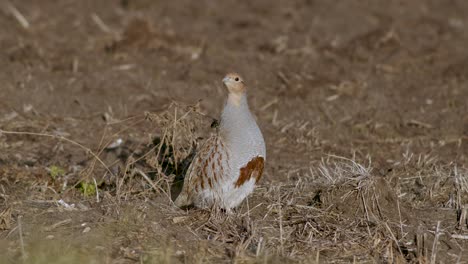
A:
[234, 83]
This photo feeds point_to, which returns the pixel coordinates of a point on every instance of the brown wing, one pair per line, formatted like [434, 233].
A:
[254, 168]
[205, 171]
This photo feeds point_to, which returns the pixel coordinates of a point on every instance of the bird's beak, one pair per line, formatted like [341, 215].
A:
[226, 79]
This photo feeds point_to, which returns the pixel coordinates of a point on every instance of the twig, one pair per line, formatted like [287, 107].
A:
[250, 210]
[281, 221]
[20, 230]
[259, 247]
[270, 103]
[434, 245]
[283, 78]
[174, 136]
[274, 119]
[399, 215]
[155, 187]
[102, 26]
[97, 190]
[457, 236]
[21, 19]
[417, 123]
[60, 223]
[394, 239]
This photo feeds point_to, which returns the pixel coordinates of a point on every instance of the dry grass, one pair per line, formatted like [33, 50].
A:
[364, 118]
[339, 211]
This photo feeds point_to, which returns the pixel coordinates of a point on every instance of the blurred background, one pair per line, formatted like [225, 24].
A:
[382, 83]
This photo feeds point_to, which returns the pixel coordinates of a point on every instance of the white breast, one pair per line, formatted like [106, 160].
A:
[242, 134]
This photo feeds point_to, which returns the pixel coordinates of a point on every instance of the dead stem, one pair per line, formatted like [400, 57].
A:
[434, 244]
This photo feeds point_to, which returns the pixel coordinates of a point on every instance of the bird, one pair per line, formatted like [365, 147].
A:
[230, 163]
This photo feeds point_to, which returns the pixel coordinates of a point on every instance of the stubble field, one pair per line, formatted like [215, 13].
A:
[363, 106]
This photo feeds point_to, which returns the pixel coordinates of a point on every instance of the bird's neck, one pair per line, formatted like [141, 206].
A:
[236, 106]
[237, 99]
[236, 118]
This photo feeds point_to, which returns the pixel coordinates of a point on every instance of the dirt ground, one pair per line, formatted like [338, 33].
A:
[363, 106]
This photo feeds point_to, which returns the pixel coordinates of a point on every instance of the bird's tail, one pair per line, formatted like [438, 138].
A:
[182, 200]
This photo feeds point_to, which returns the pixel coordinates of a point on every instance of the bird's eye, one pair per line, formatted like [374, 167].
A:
[237, 79]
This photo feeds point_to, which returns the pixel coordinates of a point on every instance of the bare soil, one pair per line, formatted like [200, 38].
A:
[363, 106]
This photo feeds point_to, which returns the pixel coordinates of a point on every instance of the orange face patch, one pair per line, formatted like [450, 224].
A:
[253, 169]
